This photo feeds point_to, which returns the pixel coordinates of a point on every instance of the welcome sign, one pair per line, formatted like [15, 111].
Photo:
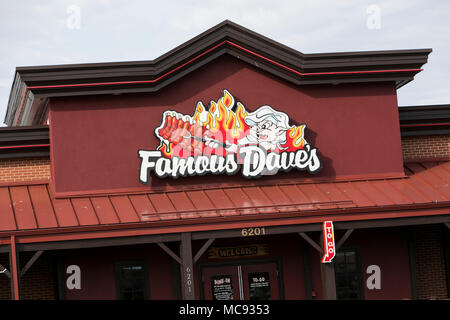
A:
[224, 139]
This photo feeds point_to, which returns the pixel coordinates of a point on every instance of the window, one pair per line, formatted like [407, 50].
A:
[348, 274]
[132, 281]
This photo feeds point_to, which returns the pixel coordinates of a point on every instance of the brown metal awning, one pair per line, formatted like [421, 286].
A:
[31, 213]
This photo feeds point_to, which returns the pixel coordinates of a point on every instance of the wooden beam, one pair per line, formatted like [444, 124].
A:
[13, 262]
[169, 252]
[344, 238]
[306, 270]
[61, 278]
[328, 278]
[311, 242]
[98, 243]
[328, 281]
[391, 222]
[203, 249]
[5, 271]
[30, 262]
[187, 267]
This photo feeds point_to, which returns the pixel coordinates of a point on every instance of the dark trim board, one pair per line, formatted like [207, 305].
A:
[398, 222]
[229, 233]
[417, 114]
[24, 142]
[424, 120]
[60, 283]
[97, 243]
[237, 233]
[338, 225]
[426, 131]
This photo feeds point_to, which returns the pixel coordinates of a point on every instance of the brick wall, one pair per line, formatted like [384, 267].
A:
[426, 147]
[19, 170]
[37, 284]
[430, 262]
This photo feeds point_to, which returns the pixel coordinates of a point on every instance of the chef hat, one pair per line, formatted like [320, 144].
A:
[280, 119]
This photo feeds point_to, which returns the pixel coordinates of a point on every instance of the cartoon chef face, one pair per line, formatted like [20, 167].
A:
[268, 128]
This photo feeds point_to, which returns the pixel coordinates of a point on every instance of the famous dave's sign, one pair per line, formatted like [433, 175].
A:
[226, 138]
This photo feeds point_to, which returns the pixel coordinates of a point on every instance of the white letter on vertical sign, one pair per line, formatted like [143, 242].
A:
[74, 280]
[374, 281]
[328, 242]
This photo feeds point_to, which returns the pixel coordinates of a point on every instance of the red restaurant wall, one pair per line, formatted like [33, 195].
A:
[387, 248]
[95, 139]
[98, 277]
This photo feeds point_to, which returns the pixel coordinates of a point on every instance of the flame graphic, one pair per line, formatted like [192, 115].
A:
[223, 121]
[294, 138]
[165, 152]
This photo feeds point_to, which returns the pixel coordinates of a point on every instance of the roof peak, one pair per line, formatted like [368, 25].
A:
[225, 38]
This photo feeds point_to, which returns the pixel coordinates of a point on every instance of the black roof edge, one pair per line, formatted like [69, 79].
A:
[424, 120]
[399, 66]
[24, 142]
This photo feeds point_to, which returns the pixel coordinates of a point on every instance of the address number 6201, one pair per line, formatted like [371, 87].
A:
[248, 232]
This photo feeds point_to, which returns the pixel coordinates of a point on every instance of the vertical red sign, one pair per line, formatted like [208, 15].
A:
[328, 242]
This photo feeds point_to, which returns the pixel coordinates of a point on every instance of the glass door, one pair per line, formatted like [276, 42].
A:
[221, 283]
[260, 281]
[241, 282]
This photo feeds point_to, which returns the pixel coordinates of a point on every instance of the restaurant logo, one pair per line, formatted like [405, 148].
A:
[226, 138]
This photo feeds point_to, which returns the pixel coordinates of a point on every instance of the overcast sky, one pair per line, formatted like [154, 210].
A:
[37, 32]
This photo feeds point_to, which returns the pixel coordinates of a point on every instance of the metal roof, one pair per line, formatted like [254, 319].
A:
[31, 208]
